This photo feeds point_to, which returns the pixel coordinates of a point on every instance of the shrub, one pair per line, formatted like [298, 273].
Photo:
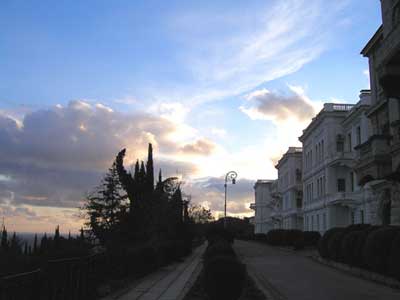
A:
[348, 247]
[324, 241]
[394, 257]
[275, 237]
[219, 248]
[377, 248]
[311, 238]
[292, 237]
[216, 232]
[334, 244]
[260, 237]
[224, 278]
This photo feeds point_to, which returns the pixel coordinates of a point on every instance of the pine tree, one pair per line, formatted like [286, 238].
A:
[105, 206]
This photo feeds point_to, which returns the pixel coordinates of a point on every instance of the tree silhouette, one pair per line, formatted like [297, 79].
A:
[105, 206]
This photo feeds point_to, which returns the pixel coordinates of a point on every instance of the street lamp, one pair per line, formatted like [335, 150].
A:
[231, 176]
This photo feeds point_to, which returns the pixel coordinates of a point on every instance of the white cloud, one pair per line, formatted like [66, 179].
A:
[266, 105]
[223, 58]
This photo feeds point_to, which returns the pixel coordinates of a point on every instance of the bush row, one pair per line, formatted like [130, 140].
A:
[376, 248]
[224, 275]
[290, 238]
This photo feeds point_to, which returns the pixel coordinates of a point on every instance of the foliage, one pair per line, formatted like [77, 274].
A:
[16, 256]
[200, 215]
[394, 257]
[224, 277]
[377, 248]
[105, 207]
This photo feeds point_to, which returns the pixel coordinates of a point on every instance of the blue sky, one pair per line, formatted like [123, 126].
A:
[215, 85]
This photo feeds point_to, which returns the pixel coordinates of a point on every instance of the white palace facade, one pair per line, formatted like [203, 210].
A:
[350, 154]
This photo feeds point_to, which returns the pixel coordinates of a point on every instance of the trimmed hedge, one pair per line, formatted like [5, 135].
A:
[290, 238]
[224, 278]
[224, 275]
[376, 248]
[394, 257]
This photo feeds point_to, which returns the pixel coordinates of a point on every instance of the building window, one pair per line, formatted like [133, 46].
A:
[312, 223]
[362, 216]
[339, 143]
[318, 222]
[298, 175]
[352, 181]
[324, 221]
[341, 185]
[358, 135]
[322, 146]
[352, 217]
[349, 142]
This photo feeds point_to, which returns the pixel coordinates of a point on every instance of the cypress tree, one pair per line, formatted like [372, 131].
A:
[14, 244]
[137, 171]
[150, 169]
[43, 244]
[35, 245]
[142, 173]
[4, 239]
[159, 182]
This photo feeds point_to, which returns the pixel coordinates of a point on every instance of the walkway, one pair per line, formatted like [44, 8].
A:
[169, 283]
[287, 275]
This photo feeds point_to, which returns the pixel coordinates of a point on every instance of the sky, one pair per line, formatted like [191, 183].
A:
[213, 85]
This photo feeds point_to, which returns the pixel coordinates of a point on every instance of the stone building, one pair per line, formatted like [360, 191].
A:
[378, 164]
[263, 206]
[327, 186]
[290, 188]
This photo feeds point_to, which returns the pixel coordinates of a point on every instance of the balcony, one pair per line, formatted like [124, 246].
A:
[344, 198]
[342, 158]
[253, 206]
[292, 211]
[374, 158]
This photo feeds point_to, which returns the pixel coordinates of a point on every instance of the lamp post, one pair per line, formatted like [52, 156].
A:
[231, 176]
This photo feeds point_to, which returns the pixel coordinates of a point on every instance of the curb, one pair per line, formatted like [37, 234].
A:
[358, 272]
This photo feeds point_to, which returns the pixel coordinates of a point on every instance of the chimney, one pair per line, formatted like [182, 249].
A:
[365, 97]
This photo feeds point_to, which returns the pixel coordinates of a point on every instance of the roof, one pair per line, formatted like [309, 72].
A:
[372, 42]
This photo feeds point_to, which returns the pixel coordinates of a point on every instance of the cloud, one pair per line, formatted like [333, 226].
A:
[52, 157]
[209, 191]
[200, 147]
[279, 108]
[219, 132]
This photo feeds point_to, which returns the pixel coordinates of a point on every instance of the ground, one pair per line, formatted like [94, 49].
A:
[289, 275]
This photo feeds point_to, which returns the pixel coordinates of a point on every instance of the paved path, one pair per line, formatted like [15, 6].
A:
[287, 275]
[169, 283]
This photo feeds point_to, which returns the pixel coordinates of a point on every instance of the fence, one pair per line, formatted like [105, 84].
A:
[63, 279]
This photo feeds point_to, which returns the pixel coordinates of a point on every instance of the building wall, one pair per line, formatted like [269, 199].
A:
[262, 222]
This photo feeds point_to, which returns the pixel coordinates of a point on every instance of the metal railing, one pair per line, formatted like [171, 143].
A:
[62, 279]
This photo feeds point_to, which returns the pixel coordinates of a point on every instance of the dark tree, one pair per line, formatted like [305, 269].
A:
[35, 248]
[4, 239]
[105, 206]
[150, 170]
